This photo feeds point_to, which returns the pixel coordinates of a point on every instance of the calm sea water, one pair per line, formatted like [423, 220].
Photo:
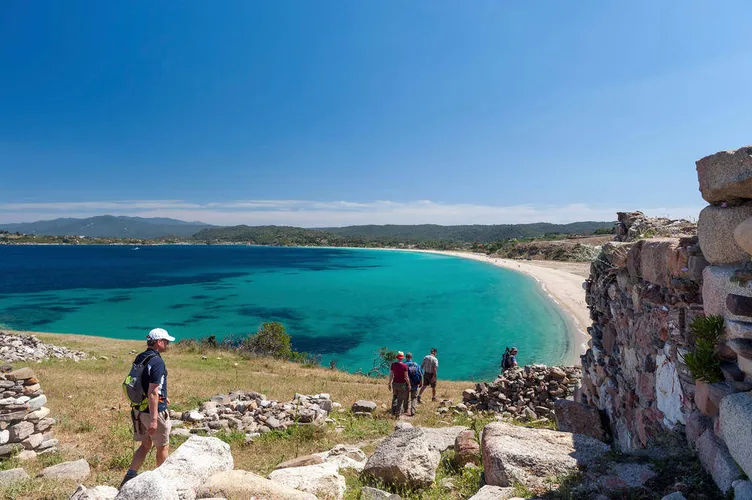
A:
[343, 304]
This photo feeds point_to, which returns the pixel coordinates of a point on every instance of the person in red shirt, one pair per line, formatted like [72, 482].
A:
[399, 384]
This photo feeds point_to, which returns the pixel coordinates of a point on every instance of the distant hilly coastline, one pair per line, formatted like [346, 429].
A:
[110, 226]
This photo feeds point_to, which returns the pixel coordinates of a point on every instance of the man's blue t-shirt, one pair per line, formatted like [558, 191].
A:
[155, 372]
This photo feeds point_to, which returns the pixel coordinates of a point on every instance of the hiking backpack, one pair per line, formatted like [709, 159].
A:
[414, 372]
[133, 385]
[506, 359]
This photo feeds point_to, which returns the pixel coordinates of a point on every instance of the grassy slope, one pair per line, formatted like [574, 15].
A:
[93, 416]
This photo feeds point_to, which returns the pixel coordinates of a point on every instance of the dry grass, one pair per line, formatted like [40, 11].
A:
[87, 400]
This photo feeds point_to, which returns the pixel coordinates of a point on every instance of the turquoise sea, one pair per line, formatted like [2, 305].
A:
[341, 303]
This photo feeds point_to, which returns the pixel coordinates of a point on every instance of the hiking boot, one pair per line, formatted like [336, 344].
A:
[418, 399]
[433, 399]
[128, 476]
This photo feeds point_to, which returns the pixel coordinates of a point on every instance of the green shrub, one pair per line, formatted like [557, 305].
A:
[270, 340]
[704, 361]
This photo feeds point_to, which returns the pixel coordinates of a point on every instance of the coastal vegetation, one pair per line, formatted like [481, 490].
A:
[704, 361]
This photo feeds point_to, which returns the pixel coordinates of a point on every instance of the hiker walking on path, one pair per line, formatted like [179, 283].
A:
[509, 359]
[430, 367]
[399, 384]
[151, 421]
[415, 375]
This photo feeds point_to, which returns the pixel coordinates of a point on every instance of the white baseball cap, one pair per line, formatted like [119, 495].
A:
[159, 334]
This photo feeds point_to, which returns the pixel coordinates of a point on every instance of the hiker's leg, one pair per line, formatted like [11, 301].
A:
[395, 399]
[162, 452]
[140, 455]
[406, 402]
[413, 401]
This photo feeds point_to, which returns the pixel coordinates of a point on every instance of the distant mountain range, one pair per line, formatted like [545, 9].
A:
[110, 226]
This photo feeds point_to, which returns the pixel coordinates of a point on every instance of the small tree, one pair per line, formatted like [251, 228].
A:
[704, 361]
[382, 360]
[270, 340]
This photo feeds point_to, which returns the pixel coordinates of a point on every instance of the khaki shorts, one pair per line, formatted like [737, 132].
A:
[142, 420]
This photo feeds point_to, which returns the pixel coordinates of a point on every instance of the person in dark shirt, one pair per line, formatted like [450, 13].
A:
[151, 420]
[399, 384]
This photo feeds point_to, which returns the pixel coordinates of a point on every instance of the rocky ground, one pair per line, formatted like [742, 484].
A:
[22, 347]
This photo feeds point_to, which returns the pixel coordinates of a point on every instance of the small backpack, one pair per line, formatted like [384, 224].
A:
[133, 385]
[413, 371]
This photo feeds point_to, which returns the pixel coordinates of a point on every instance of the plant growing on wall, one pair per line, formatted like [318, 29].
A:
[704, 361]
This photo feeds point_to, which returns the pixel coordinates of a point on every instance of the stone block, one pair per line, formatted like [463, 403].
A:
[717, 284]
[731, 372]
[696, 265]
[634, 261]
[20, 431]
[20, 374]
[12, 475]
[742, 490]
[33, 441]
[726, 175]
[743, 235]
[738, 329]
[659, 260]
[715, 229]
[717, 461]
[37, 402]
[579, 418]
[697, 424]
[708, 396]
[735, 417]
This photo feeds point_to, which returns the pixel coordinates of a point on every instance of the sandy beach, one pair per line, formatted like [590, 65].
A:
[561, 281]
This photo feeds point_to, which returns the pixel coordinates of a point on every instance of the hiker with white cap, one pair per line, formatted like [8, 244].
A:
[146, 387]
[399, 384]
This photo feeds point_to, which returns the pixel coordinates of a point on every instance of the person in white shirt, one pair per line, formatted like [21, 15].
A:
[430, 367]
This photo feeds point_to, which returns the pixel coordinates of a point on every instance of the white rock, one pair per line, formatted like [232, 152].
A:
[322, 480]
[77, 470]
[96, 493]
[669, 395]
[182, 473]
[489, 492]
[243, 484]
[12, 475]
[404, 458]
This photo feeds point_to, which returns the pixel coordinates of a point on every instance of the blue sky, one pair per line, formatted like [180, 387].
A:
[333, 113]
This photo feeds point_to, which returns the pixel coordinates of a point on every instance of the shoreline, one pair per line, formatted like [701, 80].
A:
[560, 285]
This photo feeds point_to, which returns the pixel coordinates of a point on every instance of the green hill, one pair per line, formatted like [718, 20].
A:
[109, 226]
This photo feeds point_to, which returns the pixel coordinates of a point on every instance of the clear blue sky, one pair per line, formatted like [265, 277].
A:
[389, 111]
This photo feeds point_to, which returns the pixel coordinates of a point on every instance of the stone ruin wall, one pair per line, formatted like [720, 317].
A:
[25, 426]
[643, 297]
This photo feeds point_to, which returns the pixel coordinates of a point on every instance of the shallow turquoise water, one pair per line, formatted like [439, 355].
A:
[343, 304]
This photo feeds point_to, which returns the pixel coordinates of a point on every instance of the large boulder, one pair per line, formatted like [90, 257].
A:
[78, 470]
[322, 480]
[529, 456]
[726, 176]
[715, 229]
[717, 283]
[363, 406]
[735, 416]
[404, 458]
[579, 418]
[239, 484]
[182, 473]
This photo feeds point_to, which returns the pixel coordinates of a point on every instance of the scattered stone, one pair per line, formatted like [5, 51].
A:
[363, 406]
[404, 459]
[622, 476]
[467, 449]
[77, 470]
[12, 475]
[243, 484]
[368, 493]
[489, 492]
[674, 496]
[715, 229]
[96, 493]
[529, 456]
[22, 347]
[345, 457]
[442, 438]
[300, 462]
[322, 480]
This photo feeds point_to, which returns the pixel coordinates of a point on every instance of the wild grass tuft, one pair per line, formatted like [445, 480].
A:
[704, 361]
